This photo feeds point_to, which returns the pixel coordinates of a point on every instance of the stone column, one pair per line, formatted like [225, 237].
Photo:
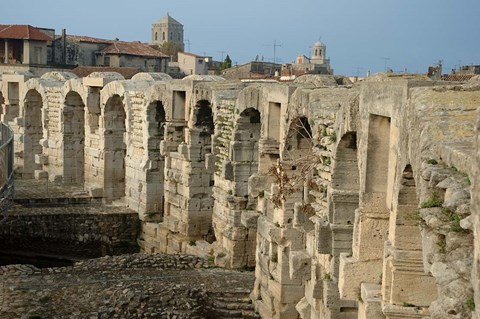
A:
[6, 52]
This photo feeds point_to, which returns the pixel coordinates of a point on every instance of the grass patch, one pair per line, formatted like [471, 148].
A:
[327, 277]
[442, 245]
[432, 162]
[454, 219]
[435, 201]
[470, 303]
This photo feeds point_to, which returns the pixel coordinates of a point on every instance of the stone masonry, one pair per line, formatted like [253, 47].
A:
[349, 200]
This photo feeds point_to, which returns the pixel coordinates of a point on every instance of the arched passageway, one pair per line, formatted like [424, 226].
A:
[115, 148]
[73, 139]
[33, 133]
[156, 120]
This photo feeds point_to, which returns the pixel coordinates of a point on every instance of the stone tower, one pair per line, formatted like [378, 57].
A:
[167, 29]
[319, 53]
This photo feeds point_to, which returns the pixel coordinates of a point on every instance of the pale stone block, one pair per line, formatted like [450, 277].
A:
[41, 159]
[40, 174]
[370, 305]
[353, 273]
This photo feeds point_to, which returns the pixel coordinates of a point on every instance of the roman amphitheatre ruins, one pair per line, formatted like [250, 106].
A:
[210, 198]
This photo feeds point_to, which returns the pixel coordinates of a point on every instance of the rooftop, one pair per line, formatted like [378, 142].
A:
[22, 32]
[133, 48]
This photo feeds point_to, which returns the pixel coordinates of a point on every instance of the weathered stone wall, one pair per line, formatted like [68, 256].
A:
[80, 233]
[320, 186]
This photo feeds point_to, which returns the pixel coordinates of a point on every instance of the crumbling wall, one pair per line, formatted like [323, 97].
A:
[320, 187]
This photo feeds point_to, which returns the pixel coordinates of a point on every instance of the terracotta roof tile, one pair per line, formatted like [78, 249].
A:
[83, 71]
[21, 32]
[82, 38]
[457, 77]
[132, 48]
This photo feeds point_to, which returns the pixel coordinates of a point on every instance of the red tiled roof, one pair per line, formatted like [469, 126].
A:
[82, 38]
[133, 48]
[457, 77]
[83, 71]
[20, 32]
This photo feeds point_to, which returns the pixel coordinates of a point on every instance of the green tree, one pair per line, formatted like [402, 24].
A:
[171, 49]
[227, 63]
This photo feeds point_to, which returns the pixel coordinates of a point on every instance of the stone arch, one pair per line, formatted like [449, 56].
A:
[403, 231]
[115, 148]
[33, 133]
[73, 139]
[156, 120]
[202, 120]
[244, 149]
[345, 180]
[298, 141]
[404, 279]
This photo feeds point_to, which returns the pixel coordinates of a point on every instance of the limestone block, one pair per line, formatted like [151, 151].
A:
[304, 308]
[300, 265]
[286, 293]
[324, 237]
[41, 159]
[210, 163]
[40, 174]
[370, 305]
[183, 149]
[249, 219]
[353, 272]
[257, 184]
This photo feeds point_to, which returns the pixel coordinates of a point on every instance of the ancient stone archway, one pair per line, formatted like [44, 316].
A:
[239, 158]
[299, 139]
[33, 133]
[404, 280]
[115, 148]
[73, 139]
[344, 194]
[156, 120]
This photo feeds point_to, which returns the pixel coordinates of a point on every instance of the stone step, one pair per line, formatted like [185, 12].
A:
[58, 201]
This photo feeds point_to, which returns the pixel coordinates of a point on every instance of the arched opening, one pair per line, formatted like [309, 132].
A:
[345, 180]
[73, 139]
[245, 149]
[156, 120]
[203, 117]
[33, 133]
[403, 265]
[343, 197]
[299, 139]
[404, 232]
[115, 148]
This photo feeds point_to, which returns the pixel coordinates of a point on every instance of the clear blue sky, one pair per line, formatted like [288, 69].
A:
[359, 34]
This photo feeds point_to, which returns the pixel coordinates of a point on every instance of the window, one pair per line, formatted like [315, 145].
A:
[163, 36]
[200, 61]
[156, 36]
[171, 36]
[106, 61]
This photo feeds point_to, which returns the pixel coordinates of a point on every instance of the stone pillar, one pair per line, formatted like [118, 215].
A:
[6, 52]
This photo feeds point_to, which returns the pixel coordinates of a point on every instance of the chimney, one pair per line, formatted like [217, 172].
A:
[64, 46]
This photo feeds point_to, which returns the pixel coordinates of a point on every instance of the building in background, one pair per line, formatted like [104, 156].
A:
[167, 29]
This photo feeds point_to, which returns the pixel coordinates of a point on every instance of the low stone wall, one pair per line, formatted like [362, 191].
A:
[73, 232]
